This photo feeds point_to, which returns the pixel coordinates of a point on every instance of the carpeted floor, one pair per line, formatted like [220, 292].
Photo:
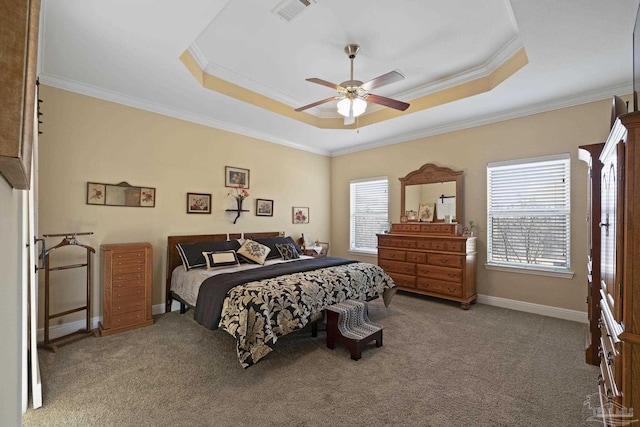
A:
[439, 366]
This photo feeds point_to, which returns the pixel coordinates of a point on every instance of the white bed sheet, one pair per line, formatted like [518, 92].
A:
[186, 284]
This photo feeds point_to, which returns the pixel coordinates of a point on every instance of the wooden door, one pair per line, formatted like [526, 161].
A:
[611, 230]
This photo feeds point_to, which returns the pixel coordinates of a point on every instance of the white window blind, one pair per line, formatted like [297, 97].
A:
[369, 213]
[528, 213]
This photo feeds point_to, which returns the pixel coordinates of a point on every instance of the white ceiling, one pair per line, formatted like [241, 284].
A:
[128, 52]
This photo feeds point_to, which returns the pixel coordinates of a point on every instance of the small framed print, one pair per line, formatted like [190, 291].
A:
[234, 177]
[300, 215]
[198, 203]
[96, 193]
[264, 207]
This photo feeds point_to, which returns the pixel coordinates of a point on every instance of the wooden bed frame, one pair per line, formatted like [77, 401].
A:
[174, 260]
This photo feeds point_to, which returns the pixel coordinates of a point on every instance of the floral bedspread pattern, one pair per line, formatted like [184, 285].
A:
[259, 312]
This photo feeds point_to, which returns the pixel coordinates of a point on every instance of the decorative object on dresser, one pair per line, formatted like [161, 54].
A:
[619, 380]
[198, 203]
[431, 258]
[121, 194]
[590, 154]
[127, 286]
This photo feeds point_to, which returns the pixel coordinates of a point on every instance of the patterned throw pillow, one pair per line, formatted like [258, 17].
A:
[254, 251]
[287, 251]
[221, 259]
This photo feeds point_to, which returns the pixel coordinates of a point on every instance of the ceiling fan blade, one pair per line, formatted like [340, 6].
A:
[387, 102]
[325, 83]
[316, 103]
[385, 79]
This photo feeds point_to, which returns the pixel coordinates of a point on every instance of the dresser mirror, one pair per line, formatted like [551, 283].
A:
[432, 194]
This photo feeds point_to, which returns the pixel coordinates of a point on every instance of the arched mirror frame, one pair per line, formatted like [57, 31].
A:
[430, 173]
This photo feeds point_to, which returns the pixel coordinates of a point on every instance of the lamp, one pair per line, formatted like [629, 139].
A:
[351, 106]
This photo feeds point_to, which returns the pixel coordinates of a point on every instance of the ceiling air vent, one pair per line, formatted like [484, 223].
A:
[291, 9]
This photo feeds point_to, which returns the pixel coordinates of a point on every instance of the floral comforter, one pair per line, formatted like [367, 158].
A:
[259, 312]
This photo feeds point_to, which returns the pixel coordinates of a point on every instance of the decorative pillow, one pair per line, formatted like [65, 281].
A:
[287, 251]
[271, 242]
[222, 259]
[254, 251]
[191, 254]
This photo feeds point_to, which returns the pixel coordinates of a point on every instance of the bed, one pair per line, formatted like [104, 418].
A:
[257, 304]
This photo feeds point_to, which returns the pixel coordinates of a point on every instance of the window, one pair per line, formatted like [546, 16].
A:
[369, 213]
[528, 214]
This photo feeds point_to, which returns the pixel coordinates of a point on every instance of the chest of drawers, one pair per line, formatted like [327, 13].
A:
[127, 287]
[439, 264]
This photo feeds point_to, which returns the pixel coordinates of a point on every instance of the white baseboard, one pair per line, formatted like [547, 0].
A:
[543, 310]
[71, 327]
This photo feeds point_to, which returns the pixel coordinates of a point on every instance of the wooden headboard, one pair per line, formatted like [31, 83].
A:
[174, 260]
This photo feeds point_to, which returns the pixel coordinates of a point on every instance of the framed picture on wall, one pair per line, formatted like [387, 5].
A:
[300, 215]
[198, 203]
[236, 176]
[264, 207]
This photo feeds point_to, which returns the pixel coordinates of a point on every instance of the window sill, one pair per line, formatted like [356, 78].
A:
[364, 253]
[524, 270]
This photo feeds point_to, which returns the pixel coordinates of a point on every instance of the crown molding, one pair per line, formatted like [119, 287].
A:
[543, 107]
[118, 98]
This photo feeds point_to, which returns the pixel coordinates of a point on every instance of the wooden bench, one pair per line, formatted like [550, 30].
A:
[347, 322]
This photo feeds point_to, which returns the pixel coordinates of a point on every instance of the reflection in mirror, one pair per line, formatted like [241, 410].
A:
[441, 195]
[432, 188]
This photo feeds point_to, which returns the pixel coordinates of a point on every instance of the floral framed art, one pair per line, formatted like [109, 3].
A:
[264, 207]
[198, 203]
[300, 215]
[121, 194]
[236, 176]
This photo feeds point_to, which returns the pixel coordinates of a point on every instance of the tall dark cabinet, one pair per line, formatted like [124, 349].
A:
[591, 155]
[619, 290]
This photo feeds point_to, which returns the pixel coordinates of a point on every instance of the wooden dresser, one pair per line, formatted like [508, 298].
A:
[127, 284]
[430, 259]
[619, 380]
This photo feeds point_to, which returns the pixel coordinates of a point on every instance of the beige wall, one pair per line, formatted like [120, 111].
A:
[560, 131]
[11, 304]
[87, 139]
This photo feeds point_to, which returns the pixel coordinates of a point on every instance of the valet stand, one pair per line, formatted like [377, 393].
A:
[69, 239]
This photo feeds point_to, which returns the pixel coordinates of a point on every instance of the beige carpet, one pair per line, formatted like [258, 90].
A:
[439, 366]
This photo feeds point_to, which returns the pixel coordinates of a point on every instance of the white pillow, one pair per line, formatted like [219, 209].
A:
[254, 251]
[220, 259]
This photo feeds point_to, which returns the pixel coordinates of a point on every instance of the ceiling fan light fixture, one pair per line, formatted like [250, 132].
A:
[348, 107]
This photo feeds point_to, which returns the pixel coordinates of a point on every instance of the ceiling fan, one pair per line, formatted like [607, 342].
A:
[353, 94]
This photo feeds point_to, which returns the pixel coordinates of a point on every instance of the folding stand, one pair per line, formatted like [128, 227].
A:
[69, 240]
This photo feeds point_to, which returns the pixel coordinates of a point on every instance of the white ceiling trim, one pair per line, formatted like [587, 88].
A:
[499, 58]
[118, 98]
[556, 104]
[493, 118]
[510, 48]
